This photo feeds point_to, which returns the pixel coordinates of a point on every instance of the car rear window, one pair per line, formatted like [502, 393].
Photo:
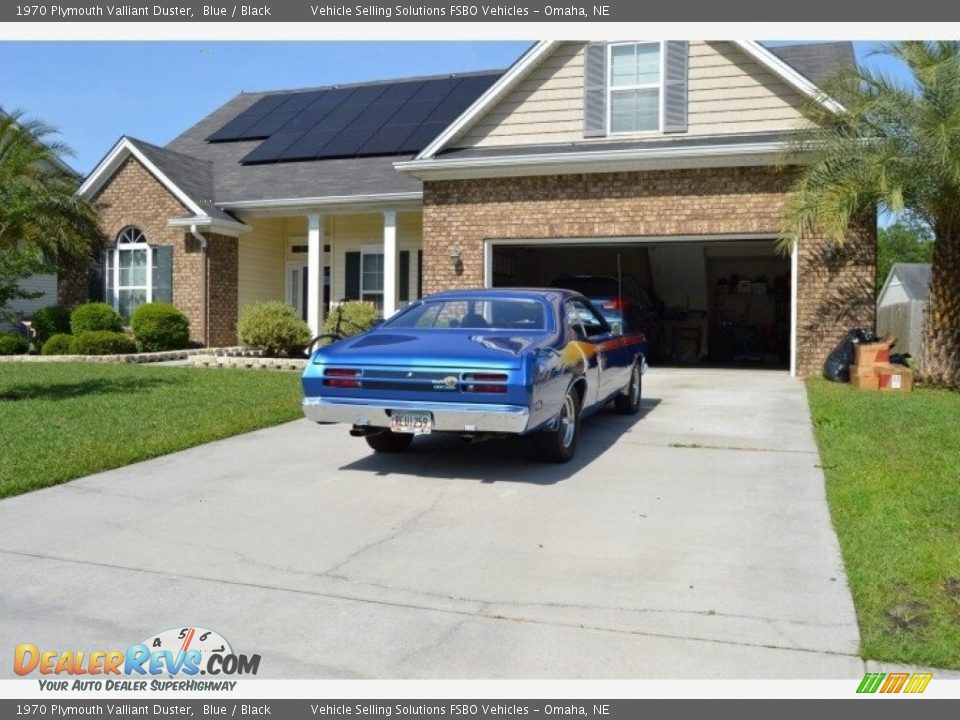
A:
[590, 287]
[473, 313]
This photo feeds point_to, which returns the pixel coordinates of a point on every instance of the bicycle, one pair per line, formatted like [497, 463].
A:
[328, 338]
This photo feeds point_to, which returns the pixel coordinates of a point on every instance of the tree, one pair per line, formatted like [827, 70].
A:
[42, 221]
[16, 265]
[907, 240]
[893, 146]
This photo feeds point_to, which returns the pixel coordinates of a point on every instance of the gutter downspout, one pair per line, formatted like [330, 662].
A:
[204, 313]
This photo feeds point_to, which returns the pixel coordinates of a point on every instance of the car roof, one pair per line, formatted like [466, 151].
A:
[522, 293]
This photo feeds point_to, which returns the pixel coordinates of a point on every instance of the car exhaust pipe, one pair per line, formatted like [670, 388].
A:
[365, 431]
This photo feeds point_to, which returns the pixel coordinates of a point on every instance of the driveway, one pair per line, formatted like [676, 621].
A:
[690, 541]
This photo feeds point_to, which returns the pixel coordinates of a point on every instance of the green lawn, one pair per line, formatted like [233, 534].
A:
[65, 420]
[892, 463]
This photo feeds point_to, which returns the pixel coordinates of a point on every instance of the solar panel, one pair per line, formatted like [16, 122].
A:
[421, 137]
[271, 149]
[377, 115]
[387, 139]
[400, 92]
[436, 89]
[414, 111]
[269, 125]
[377, 119]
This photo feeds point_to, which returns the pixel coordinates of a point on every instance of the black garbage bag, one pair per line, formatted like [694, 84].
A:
[836, 368]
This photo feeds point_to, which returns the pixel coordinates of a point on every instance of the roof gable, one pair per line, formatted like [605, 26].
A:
[188, 179]
[914, 278]
[790, 78]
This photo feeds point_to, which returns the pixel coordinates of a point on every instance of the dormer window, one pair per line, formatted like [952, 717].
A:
[635, 85]
[634, 88]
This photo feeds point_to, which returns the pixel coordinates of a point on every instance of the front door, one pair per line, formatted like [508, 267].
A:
[297, 275]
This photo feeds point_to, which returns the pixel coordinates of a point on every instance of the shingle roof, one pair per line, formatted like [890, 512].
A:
[914, 278]
[817, 61]
[214, 170]
[192, 175]
[311, 178]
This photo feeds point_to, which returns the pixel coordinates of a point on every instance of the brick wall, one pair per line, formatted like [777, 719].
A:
[832, 295]
[223, 256]
[134, 197]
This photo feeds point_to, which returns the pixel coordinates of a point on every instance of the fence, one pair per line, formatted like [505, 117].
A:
[905, 321]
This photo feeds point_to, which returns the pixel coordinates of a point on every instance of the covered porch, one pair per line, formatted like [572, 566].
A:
[315, 258]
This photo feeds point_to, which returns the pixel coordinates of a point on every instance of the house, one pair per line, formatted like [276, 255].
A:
[666, 161]
[902, 304]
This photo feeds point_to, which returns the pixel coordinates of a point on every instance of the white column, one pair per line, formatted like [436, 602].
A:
[389, 262]
[315, 272]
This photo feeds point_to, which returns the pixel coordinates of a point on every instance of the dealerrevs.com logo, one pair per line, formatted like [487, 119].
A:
[169, 660]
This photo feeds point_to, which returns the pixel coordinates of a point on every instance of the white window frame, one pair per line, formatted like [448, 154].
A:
[123, 247]
[644, 86]
[372, 250]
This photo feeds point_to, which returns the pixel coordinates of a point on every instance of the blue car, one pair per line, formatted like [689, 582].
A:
[478, 363]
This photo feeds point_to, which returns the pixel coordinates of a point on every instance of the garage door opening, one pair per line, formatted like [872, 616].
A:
[721, 302]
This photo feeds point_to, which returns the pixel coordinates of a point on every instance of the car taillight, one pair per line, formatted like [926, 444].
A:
[485, 388]
[616, 304]
[485, 382]
[341, 378]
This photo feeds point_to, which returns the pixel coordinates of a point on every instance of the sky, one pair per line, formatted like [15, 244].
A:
[94, 92]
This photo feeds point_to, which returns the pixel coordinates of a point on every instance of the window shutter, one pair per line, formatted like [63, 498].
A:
[162, 273]
[676, 57]
[106, 286]
[352, 279]
[419, 273]
[595, 90]
[403, 286]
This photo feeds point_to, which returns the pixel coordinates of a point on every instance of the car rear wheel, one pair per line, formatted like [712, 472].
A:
[629, 402]
[389, 442]
[560, 444]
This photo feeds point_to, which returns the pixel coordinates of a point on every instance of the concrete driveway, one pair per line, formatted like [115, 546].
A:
[690, 541]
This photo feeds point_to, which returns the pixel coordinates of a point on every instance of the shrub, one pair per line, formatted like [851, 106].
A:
[13, 344]
[95, 316]
[160, 326]
[275, 328]
[101, 342]
[58, 344]
[49, 321]
[358, 317]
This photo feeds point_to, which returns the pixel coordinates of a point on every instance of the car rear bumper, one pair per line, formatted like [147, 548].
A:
[447, 416]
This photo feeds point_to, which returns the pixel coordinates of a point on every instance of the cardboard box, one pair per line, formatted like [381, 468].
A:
[871, 353]
[895, 378]
[863, 370]
[865, 382]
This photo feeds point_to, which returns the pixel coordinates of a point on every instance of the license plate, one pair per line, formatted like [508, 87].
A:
[414, 423]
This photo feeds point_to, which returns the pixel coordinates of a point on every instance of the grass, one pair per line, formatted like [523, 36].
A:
[892, 463]
[65, 420]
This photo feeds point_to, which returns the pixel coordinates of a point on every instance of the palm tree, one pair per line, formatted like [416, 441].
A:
[39, 211]
[894, 147]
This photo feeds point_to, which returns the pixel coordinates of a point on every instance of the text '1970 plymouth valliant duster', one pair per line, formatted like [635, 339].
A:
[478, 363]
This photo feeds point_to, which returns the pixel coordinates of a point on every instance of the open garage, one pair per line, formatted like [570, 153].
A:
[716, 301]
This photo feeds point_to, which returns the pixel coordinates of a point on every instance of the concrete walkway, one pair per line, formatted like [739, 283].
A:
[690, 541]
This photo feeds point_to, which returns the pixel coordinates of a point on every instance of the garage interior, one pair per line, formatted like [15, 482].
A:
[718, 302]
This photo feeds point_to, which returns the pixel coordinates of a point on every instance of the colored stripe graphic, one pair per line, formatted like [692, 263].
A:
[870, 682]
[918, 683]
[894, 683]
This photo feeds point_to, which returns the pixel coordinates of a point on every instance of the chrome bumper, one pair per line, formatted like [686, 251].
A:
[447, 416]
